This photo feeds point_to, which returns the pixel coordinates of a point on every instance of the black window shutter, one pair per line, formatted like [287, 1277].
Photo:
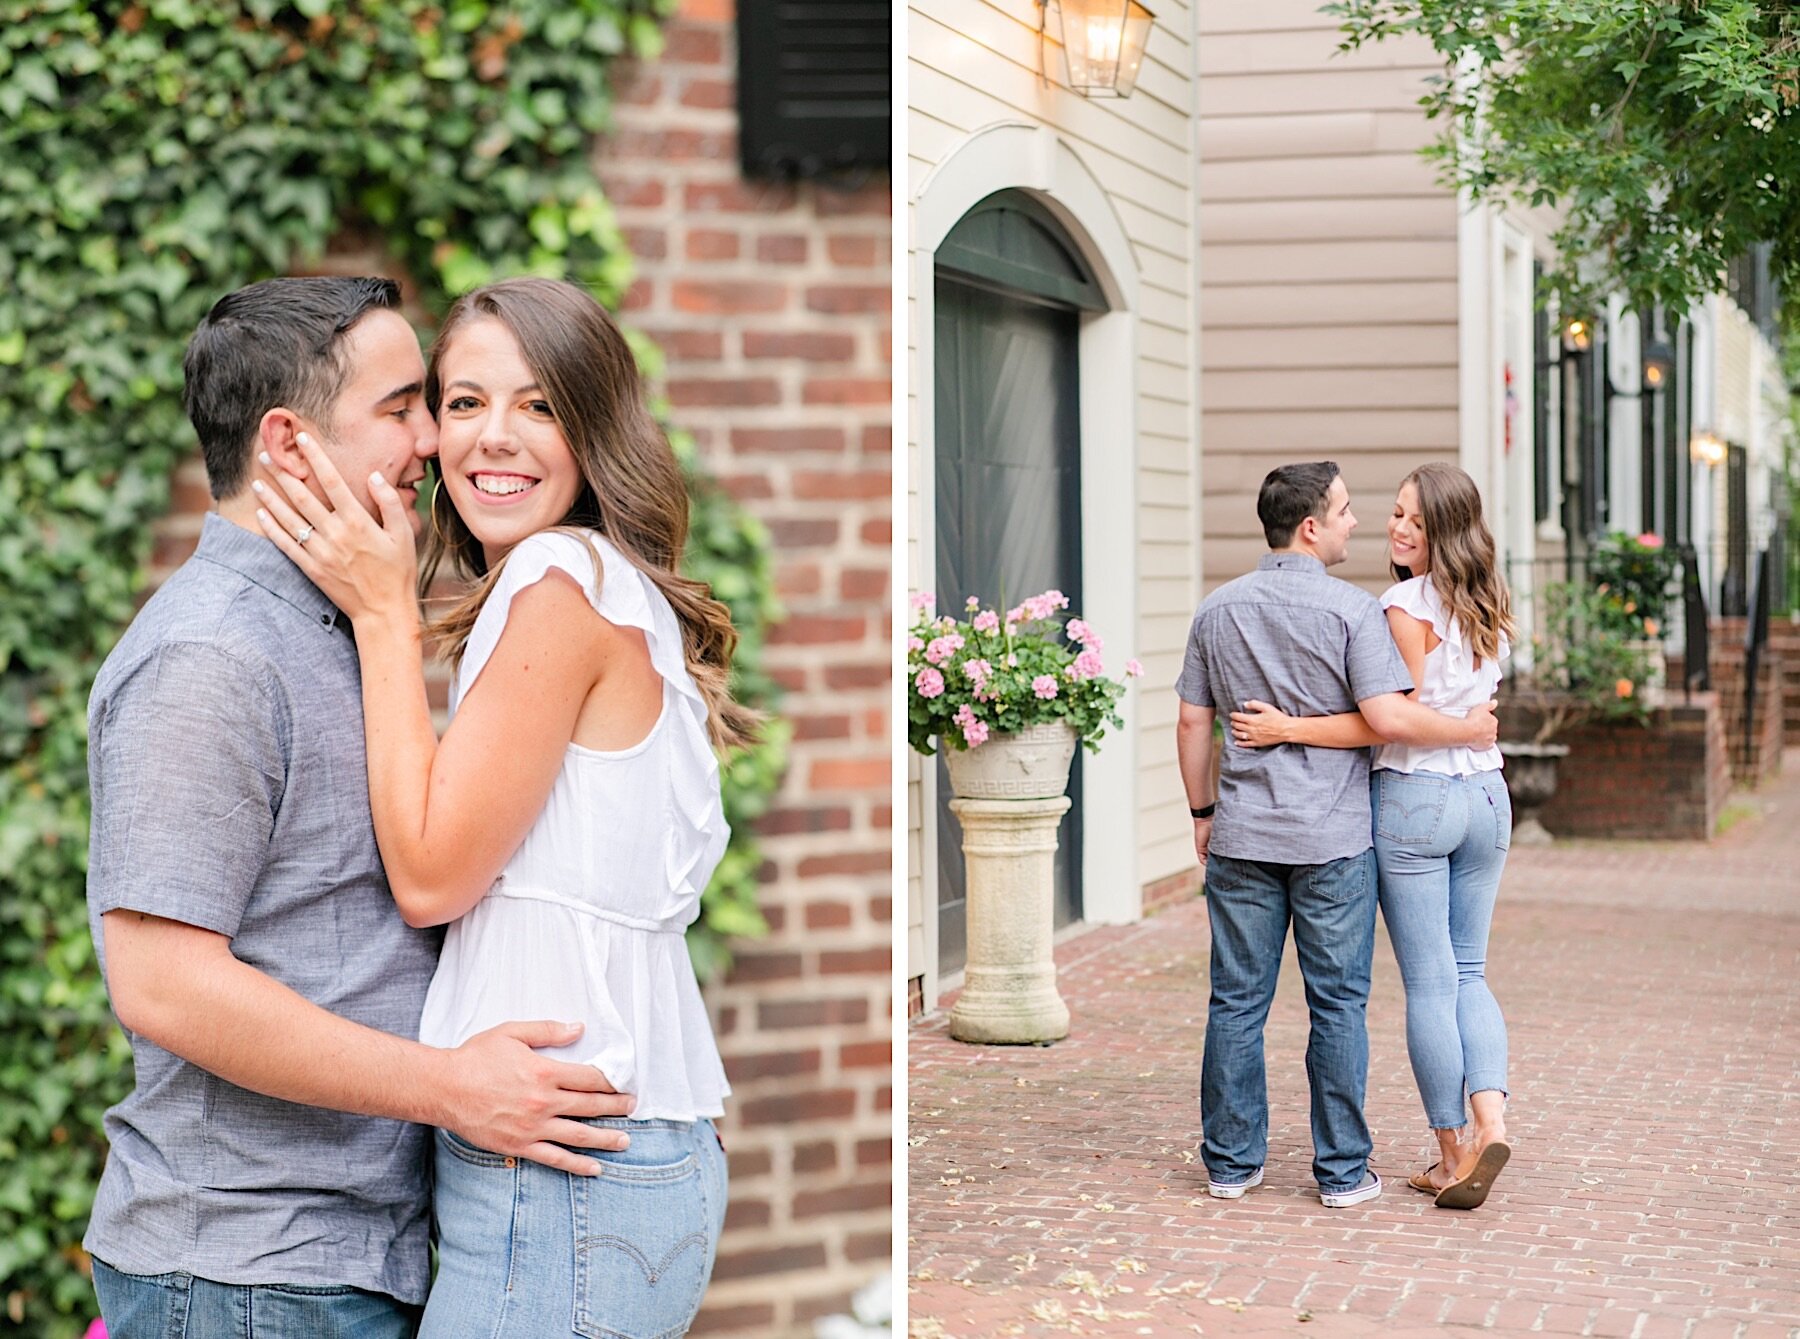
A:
[814, 86]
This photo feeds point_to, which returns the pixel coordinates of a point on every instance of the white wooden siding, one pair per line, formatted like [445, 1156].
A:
[973, 64]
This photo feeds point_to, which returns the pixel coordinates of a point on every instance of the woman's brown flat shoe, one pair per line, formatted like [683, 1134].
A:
[1422, 1181]
[1470, 1190]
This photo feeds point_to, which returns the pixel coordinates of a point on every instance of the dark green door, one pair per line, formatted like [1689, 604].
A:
[1008, 507]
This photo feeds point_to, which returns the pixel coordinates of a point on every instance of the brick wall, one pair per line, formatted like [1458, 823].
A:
[1754, 760]
[1669, 779]
[772, 304]
[1784, 637]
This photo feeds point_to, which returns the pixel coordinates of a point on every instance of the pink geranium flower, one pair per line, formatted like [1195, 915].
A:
[930, 683]
[942, 648]
[1134, 669]
[1087, 665]
[1044, 686]
[1650, 540]
[974, 733]
[915, 643]
[923, 600]
[987, 621]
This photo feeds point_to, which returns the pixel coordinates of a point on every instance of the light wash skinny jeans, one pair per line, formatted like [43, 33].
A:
[1440, 844]
[529, 1252]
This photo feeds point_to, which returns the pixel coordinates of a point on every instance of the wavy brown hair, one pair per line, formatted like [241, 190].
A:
[1463, 565]
[632, 490]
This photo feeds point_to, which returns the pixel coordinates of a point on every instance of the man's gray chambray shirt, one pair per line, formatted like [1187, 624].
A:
[1292, 636]
[230, 792]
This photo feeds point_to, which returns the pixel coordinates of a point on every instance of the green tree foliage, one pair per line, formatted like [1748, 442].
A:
[1667, 132]
[154, 155]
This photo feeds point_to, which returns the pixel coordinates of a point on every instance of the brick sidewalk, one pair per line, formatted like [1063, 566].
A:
[1652, 994]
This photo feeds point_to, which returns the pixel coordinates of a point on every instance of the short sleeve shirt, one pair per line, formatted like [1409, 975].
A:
[230, 792]
[1290, 635]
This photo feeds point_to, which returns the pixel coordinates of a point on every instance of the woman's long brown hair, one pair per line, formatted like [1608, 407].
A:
[632, 490]
[1463, 565]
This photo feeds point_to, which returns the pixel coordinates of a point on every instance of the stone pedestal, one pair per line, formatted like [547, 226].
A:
[1531, 781]
[1009, 986]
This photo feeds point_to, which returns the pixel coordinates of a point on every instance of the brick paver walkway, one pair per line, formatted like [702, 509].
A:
[1652, 993]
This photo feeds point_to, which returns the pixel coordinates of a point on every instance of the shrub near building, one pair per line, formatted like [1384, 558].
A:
[151, 159]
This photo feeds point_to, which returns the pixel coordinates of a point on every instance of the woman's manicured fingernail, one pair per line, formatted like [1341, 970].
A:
[377, 480]
[264, 457]
[256, 486]
[303, 439]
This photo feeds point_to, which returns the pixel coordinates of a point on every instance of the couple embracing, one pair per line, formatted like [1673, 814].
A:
[1309, 827]
[279, 833]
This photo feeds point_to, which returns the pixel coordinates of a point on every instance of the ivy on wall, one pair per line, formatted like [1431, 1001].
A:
[153, 156]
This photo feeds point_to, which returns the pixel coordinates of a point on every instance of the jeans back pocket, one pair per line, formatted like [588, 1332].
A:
[1411, 807]
[644, 1243]
[1501, 799]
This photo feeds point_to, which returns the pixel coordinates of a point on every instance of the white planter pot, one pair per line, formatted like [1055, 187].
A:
[1032, 764]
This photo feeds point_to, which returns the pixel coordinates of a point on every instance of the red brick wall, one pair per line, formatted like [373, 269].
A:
[772, 305]
[1784, 637]
[1777, 692]
[1669, 779]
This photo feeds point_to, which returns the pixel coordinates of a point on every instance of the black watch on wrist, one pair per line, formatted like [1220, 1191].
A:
[1204, 811]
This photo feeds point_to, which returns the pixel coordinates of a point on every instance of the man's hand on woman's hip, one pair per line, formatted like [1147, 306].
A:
[507, 1098]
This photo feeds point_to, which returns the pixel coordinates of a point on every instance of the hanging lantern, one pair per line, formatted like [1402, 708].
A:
[1103, 43]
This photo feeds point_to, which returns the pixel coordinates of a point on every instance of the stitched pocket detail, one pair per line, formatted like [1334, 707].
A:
[644, 1242]
[1412, 808]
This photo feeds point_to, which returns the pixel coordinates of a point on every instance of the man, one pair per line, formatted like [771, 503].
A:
[266, 1176]
[1291, 835]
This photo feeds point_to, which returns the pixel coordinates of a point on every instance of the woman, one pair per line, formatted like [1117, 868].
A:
[1443, 820]
[568, 822]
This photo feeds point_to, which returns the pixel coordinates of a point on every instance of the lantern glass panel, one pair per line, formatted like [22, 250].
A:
[1103, 42]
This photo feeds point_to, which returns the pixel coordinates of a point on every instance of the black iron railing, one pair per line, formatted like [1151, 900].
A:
[1696, 673]
[1756, 637]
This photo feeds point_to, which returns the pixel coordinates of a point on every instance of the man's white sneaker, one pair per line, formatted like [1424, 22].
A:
[1233, 1190]
[1343, 1199]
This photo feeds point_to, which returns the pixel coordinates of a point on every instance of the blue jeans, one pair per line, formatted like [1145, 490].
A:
[1441, 843]
[1249, 904]
[528, 1252]
[180, 1306]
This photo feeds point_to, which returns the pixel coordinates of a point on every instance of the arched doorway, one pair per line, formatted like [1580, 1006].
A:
[1010, 287]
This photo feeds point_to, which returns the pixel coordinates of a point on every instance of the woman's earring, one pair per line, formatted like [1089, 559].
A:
[436, 488]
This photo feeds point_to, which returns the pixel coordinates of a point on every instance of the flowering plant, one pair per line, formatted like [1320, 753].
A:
[1641, 575]
[989, 674]
[1586, 665]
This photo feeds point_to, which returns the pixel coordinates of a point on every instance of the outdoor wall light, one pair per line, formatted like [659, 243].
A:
[1103, 43]
[1707, 449]
[1659, 364]
[1578, 334]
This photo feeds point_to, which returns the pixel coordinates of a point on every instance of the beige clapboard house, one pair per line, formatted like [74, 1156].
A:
[1285, 278]
[1053, 417]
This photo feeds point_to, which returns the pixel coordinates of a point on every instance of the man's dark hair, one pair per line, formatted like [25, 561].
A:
[1289, 495]
[274, 344]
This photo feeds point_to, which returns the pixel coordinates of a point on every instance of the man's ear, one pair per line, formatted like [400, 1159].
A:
[276, 435]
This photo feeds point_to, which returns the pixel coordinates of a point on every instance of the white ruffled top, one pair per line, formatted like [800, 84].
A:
[585, 923]
[1453, 683]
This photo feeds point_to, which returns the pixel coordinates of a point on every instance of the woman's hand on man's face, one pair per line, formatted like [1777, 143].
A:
[364, 567]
